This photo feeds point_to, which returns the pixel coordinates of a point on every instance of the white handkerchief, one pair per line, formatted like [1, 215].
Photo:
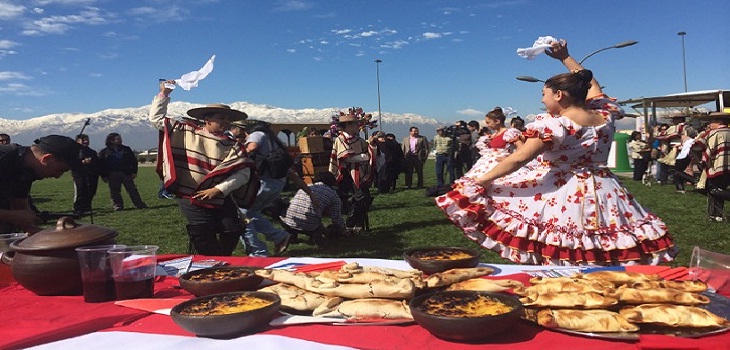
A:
[537, 48]
[509, 110]
[190, 80]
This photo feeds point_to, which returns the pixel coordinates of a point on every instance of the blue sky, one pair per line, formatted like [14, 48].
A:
[447, 60]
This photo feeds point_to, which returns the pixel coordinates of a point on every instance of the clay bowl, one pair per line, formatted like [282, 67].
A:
[466, 329]
[216, 280]
[226, 326]
[419, 259]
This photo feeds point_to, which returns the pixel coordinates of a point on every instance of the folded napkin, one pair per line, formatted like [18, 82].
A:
[541, 44]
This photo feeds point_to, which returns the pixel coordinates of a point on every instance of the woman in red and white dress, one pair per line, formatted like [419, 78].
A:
[495, 146]
[566, 207]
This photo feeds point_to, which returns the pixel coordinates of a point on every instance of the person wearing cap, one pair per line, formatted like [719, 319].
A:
[49, 156]
[205, 169]
[237, 130]
[443, 146]
[353, 162]
[260, 143]
[715, 145]
[86, 177]
[119, 166]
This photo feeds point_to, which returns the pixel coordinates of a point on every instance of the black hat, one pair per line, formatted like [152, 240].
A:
[62, 147]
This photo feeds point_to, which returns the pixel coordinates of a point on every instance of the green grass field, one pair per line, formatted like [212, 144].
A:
[398, 221]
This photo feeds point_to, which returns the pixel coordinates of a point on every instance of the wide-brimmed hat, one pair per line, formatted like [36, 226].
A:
[64, 148]
[715, 115]
[348, 118]
[201, 112]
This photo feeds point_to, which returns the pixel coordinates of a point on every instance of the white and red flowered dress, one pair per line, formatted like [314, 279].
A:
[493, 149]
[566, 208]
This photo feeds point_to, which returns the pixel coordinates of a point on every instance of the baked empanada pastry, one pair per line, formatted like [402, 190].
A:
[664, 296]
[579, 286]
[569, 300]
[686, 286]
[370, 308]
[585, 320]
[673, 316]
[487, 285]
[619, 277]
[294, 297]
[449, 277]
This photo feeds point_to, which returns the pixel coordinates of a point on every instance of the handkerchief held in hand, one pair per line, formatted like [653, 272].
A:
[190, 80]
[541, 44]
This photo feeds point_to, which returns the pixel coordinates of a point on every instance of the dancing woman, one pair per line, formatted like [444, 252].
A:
[568, 209]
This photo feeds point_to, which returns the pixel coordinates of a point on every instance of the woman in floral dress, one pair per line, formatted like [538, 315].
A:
[495, 146]
[566, 208]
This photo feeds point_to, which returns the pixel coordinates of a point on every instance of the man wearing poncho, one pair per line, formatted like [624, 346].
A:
[204, 168]
[353, 163]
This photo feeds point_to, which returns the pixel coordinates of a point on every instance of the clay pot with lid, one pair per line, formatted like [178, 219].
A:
[46, 263]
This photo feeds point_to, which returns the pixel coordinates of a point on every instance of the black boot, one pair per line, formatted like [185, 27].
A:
[204, 240]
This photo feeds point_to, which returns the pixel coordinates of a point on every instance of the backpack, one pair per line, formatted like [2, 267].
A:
[276, 164]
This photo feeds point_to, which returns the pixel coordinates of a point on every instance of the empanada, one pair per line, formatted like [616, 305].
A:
[449, 277]
[487, 285]
[673, 316]
[585, 320]
[569, 300]
[370, 308]
[664, 296]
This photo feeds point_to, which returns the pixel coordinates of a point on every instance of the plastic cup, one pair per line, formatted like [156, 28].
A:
[96, 272]
[6, 273]
[711, 268]
[134, 271]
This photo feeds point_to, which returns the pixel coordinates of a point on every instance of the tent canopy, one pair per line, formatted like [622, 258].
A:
[685, 99]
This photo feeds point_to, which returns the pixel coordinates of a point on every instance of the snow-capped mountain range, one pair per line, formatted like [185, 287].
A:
[138, 134]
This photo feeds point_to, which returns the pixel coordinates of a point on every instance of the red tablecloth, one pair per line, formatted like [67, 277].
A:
[37, 320]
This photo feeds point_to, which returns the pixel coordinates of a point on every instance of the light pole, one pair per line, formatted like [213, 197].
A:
[617, 46]
[684, 62]
[529, 79]
[377, 76]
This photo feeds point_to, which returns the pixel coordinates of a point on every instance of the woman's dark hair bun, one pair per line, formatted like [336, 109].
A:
[585, 75]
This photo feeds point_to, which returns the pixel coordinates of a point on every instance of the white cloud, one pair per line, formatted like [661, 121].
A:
[341, 31]
[7, 44]
[9, 11]
[38, 10]
[398, 44]
[368, 33]
[7, 75]
[291, 50]
[64, 2]
[292, 5]
[62, 24]
[431, 35]
[470, 111]
[147, 14]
